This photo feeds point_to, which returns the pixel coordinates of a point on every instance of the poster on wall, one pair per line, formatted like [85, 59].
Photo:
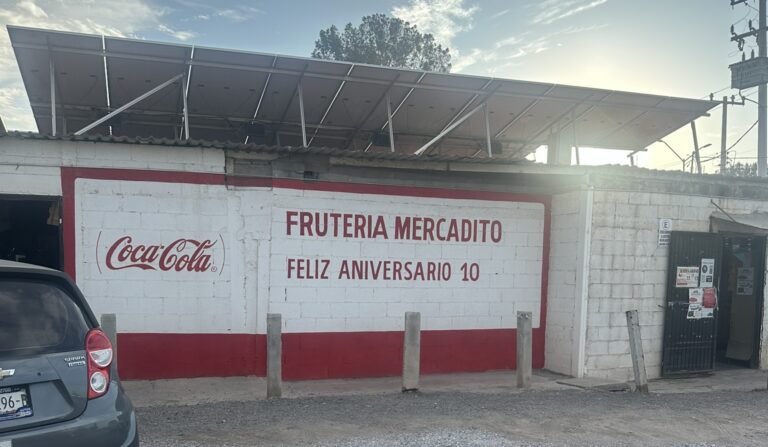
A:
[695, 296]
[701, 303]
[707, 272]
[745, 281]
[665, 230]
[687, 277]
[694, 312]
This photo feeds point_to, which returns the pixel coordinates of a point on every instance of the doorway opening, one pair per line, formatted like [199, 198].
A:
[30, 230]
[740, 301]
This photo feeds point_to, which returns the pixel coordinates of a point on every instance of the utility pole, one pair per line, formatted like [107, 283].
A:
[754, 72]
[724, 130]
[724, 137]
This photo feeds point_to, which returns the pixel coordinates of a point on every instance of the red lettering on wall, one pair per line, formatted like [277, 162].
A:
[188, 255]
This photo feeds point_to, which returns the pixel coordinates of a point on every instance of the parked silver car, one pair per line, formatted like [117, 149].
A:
[58, 383]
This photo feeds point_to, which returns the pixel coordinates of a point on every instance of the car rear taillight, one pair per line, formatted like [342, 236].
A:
[98, 349]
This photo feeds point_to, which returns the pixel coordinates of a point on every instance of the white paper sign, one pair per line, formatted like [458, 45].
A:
[745, 281]
[707, 278]
[665, 229]
[687, 277]
[695, 296]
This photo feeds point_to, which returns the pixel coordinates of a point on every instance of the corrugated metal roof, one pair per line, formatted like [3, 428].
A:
[261, 148]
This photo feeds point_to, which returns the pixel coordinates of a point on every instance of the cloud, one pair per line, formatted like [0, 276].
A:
[122, 18]
[176, 34]
[475, 56]
[507, 52]
[444, 19]
[501, 13]
[553, 10]
[240, 14]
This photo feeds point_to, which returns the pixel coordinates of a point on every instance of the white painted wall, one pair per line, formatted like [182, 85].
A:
[32, 167]
[248, 226]
[561, 291]
[510, 271]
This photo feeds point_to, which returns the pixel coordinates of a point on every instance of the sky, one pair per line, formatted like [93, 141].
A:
[666, 47]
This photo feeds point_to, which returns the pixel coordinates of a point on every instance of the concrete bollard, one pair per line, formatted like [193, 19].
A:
[636, 349]
[524, 349]
[109, 326]
[411, 351]
[274, 355]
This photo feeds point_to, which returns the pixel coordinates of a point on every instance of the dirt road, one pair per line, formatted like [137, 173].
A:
[477, 419]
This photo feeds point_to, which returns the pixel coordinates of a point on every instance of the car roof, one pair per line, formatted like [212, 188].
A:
[12, 265]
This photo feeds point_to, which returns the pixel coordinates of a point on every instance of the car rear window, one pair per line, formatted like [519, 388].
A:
[38, 318]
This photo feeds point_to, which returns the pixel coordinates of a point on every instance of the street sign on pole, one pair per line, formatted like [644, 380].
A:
[749, 73]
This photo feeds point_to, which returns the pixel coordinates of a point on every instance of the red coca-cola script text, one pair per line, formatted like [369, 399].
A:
[188, 255]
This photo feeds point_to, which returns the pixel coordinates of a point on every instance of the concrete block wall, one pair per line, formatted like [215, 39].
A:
[223, 299]
[248, 277]
[628, 271]
[32, 167]
[561, 292]
[510, 271]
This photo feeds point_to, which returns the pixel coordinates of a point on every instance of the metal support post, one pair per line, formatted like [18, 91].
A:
[524, 348]
[724, 136]
[390, 125]
[411, 351]
[762, 97]
[301, 112]
[696, 155]
[636, 350]
[185, 86]
[274, 356]
[53, 97]
[488, 130]
[129, 104]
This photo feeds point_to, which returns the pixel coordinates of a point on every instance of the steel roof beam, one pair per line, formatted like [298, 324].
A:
[290, 101]
[458, 122]
[292, 124]
[154, 113]
[397, 109]
[466, 105]
[261, 97]
[524, 112]
[445, 131]
[129, 104]
[330, 105]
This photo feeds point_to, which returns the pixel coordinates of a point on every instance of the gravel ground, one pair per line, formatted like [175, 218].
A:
[468, 419]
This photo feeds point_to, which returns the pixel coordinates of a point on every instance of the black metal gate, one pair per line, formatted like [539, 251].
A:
[690, 343]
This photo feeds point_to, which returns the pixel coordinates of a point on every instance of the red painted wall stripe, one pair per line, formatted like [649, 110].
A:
[324, 355]
[168, 356]
[308, 355]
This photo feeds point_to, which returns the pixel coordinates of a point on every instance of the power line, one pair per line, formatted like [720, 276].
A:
[741, 137]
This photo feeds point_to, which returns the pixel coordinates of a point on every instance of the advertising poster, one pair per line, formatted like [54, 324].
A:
[687, 277]
[707, 272]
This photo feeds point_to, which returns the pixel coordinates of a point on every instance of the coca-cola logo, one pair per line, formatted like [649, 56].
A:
[179, 255]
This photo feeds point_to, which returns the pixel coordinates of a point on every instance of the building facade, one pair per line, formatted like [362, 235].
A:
[192, 244]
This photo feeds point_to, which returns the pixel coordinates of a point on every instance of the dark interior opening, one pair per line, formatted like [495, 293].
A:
[30, 230]
[740, 301]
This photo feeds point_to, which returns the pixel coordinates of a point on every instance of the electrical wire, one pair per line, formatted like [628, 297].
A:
[741, 137]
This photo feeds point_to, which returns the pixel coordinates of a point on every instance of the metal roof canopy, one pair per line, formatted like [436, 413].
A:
[181, 91]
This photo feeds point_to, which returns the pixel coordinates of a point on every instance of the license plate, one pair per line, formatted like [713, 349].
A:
[14, 403]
